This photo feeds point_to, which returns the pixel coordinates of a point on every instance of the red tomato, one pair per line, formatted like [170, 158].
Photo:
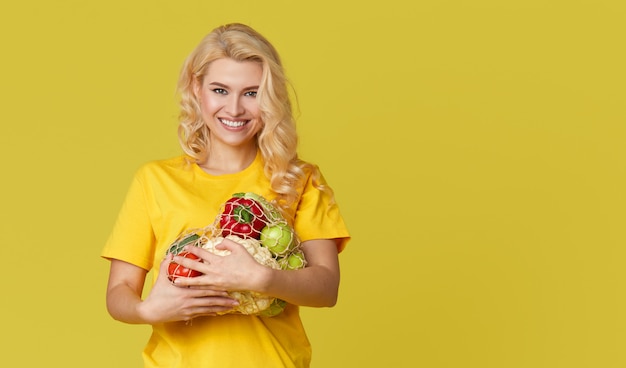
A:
[174, 270]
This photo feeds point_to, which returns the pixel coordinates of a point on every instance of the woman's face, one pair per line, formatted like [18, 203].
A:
[228, 101]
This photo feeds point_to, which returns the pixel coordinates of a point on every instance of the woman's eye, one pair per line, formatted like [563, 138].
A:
[220, 91]
[251, 93]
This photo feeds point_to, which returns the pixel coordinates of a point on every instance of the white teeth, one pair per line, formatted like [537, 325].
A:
[232, 124]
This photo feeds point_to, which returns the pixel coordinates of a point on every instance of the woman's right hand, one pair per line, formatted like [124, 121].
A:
[167, 302]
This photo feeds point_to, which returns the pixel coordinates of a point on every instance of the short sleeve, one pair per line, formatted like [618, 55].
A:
[318, 216]
[132, 239]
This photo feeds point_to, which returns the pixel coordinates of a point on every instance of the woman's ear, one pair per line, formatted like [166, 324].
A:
[195, 87]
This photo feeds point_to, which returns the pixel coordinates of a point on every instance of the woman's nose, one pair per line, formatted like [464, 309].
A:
[234, 106]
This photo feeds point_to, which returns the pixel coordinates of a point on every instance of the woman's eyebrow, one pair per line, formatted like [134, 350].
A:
[218, 84]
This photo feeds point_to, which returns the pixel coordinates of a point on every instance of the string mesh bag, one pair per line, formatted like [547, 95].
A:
[252, 221]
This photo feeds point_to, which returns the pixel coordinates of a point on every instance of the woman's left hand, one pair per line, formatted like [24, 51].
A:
[236, 271]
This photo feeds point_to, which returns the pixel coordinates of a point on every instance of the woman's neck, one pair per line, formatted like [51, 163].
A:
[228, 161]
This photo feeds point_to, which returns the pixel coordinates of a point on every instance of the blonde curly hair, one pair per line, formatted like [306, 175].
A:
[277, 141]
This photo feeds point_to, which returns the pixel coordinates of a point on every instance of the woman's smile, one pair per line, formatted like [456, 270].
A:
[233, 123]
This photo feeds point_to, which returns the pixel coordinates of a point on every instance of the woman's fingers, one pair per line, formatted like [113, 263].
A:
[163, 268]
[206, 304]
[199, 292]
[195, 264]
[235, 271]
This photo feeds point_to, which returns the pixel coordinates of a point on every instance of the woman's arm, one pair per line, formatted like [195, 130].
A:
[124, 291]
[165, 302]
[316, 285]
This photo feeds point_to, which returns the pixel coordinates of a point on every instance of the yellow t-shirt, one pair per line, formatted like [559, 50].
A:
[172, 196]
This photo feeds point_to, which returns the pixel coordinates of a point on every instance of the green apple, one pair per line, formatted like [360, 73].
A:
[274, 309]
[277, 238]
[294, 261]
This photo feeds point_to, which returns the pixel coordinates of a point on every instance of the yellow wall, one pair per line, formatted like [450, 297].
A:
[476, 148]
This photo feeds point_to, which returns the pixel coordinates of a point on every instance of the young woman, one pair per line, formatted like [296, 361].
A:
[238, 135]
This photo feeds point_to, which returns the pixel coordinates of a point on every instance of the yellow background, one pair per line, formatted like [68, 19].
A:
[476, 148]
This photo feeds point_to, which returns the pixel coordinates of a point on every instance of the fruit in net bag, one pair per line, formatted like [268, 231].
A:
[277, 238]
[175, 270]
[242, 217]
[252, 221]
